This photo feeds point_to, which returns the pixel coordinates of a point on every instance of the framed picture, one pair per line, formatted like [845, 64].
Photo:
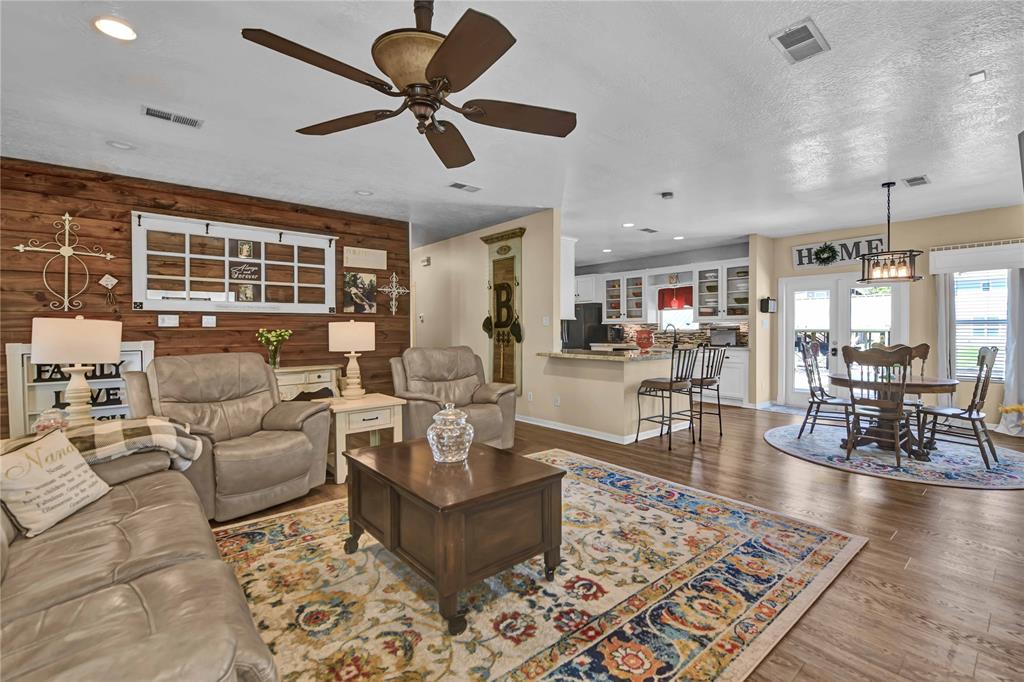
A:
[246, 293]
[245, 248]
[360, 292]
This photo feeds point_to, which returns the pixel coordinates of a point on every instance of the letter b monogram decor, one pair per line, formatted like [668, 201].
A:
[505, 254]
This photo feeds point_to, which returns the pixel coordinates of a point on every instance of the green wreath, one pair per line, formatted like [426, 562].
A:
[826, 254]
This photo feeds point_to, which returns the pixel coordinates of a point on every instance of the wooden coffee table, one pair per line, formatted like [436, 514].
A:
[455, 524]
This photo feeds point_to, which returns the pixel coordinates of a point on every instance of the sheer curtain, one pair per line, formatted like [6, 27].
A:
[1013, 422]
[947, 329]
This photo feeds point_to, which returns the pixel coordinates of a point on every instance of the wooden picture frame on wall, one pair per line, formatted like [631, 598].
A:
[184, 264]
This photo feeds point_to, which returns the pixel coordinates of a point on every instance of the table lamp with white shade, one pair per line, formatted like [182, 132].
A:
[351, 338]
[64, 341]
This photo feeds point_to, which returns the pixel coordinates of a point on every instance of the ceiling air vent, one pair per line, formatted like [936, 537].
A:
[800, 41]
[916, 181]
[189, 121]
[648, 230]
[464, 187]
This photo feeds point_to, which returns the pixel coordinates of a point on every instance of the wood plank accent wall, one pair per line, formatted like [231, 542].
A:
[33, 195]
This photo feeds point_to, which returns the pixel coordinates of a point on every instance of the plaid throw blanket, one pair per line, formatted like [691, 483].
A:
[103, 441]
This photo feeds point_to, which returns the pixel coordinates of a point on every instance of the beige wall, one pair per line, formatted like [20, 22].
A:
[975, 226]
[762, 283]
[450, 297]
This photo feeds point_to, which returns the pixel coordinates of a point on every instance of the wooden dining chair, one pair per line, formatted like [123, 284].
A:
[880, 380]
[819, 396]
[919, 354]
[950, 430]
[684, 360]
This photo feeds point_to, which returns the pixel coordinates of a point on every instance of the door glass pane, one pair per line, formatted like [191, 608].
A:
[613, 299]
[870, 316]
[634, 297]
[811, 322]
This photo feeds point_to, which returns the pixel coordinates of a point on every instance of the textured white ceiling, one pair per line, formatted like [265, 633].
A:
[682, 96]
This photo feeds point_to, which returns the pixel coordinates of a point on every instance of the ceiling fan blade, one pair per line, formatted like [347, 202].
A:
[522, 117]
[303, 53]
[449, 145]
[472, 46]
[336, 125]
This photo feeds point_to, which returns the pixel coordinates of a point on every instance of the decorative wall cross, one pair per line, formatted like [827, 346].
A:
[65, 245]
[394, 290]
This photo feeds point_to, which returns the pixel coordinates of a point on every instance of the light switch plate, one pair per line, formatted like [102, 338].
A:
[546, 321]
[209, 320]
[167, 320]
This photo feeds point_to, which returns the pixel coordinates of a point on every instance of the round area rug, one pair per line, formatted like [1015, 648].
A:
[953, 464]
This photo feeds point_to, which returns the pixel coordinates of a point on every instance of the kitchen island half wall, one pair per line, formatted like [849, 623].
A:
[595, 394]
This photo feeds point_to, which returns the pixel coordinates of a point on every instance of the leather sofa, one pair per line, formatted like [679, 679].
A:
[257, 450]
[130, 587]
[430, 377]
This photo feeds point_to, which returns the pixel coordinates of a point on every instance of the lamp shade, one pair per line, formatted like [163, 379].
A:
[63, 341]
[351, 337]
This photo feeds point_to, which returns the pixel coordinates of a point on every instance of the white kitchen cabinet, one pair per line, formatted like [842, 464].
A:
[586, 288]
[722, 290]
[567, 279]
[734, 379]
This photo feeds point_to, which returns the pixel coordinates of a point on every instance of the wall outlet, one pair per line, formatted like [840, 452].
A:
[558, 401]
[529, 396]
[167, 320]
[209, 320]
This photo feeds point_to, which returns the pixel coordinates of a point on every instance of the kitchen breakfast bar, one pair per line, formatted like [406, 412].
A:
[597, 390]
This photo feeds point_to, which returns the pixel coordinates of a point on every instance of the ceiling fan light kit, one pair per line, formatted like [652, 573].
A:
[891, 266]
[425, 68]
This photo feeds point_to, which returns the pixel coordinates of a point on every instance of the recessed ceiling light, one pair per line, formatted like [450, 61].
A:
[117, 144]
[977, 77]
[364, 192]
[678, 237]
[629, 224]
[606, 250]
[114, 27]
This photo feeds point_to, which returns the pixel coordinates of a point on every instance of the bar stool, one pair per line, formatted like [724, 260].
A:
[680, 383]
[709, 380]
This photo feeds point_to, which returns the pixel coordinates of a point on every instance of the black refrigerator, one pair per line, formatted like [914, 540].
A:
[585, 329]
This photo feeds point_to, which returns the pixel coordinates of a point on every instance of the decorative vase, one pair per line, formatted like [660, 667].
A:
[274, 356]
[644, 339]
[450, 435]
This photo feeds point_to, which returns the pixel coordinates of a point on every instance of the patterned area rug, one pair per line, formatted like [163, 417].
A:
[657, 581]
[953, 464]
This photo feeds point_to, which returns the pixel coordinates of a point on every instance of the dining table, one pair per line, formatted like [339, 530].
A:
[881, 432]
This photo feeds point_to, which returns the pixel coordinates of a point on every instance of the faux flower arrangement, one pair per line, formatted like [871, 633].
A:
[273, 339]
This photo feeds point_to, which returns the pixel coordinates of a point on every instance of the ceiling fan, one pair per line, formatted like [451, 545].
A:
[426, 67]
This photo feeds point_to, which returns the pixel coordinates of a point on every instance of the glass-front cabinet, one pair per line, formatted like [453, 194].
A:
[634, 298]
[708, 292]
[613, 300]
[723, 291]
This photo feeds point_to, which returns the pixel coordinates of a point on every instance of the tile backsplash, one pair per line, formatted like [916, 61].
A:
[695, 336]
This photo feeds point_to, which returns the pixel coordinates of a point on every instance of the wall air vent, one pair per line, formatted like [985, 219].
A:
[190, 121]
[916, 181]
[464, 187]
[648, 230]
[800, 41]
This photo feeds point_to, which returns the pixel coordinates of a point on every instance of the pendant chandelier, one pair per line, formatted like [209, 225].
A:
[887, 267]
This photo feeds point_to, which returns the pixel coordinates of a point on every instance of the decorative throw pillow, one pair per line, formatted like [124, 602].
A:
[46, 481]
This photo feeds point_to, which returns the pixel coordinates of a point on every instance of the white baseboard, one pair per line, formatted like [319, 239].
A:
[592, 433]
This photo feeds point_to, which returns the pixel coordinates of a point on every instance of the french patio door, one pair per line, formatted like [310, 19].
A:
[826, 313]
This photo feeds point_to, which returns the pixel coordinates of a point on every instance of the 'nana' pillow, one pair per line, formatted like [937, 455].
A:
[45, 481]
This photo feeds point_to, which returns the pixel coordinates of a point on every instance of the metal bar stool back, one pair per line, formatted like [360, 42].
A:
[684, 361]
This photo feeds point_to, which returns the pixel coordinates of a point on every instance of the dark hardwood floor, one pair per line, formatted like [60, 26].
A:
[937, 593]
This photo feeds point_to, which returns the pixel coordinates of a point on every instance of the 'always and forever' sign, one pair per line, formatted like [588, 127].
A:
[849, 250]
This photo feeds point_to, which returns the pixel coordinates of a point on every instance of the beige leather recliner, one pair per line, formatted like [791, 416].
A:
[258, 451]
[429, 377]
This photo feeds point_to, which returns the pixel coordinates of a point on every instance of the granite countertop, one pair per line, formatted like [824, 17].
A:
[608, 356]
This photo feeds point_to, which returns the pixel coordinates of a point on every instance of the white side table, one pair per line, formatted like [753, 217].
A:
[292, 380]
[373, 412]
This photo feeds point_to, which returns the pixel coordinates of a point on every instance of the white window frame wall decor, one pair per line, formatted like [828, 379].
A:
[26, 397]
[143, 223]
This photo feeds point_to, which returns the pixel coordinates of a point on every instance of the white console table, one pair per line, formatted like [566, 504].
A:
[373, 412]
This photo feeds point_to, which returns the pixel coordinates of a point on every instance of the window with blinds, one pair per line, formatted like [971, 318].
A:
[980, 305]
